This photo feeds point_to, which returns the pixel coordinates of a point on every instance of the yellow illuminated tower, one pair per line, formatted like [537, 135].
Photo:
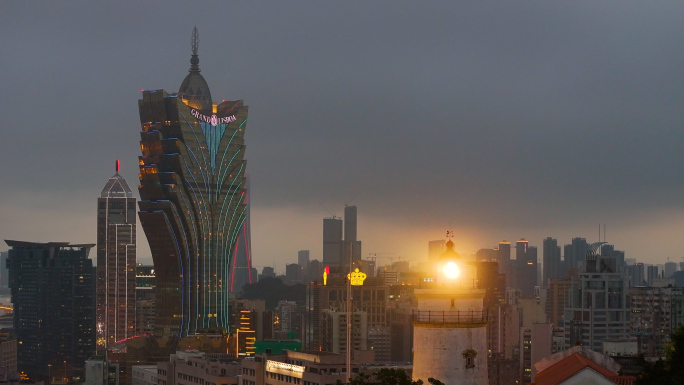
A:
[450, 324]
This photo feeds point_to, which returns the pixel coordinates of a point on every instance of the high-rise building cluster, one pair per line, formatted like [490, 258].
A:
[500, 316]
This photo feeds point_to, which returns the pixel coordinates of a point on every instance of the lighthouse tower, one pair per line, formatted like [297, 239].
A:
[450, 324]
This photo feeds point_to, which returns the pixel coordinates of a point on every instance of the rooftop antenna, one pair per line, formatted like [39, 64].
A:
[195, 41]
[351, 200]
[324, 208]
[117, 167]
[194, 60]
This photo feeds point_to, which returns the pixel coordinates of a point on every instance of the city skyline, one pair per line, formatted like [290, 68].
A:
[494, 121]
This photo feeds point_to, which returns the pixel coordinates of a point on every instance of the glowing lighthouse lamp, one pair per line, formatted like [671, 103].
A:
[451, 270]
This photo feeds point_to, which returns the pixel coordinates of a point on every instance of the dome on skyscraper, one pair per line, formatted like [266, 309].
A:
[194, 91]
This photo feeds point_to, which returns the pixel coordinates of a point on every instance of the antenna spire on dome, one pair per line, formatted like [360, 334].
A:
[195, 41]
[194, 60]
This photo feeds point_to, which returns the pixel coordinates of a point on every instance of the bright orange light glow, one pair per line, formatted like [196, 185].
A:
[450, 270]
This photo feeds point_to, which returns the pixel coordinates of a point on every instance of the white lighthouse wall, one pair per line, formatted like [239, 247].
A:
[438, 353]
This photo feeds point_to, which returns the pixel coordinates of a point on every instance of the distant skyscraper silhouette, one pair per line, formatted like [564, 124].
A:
[332, 241]
[575, 253]
[552, 260]
[526, 261]
[116, 263]
[351, 244]
[192, 201]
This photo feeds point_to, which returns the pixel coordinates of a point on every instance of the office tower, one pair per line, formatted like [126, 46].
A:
[334, 330]
[332, 241]
[526, 261]
[303, 258]
[598, 305]
[241, 268]
[504, 257]
[488, 255]
[651, 274]
[145, 285]
[575, 253]
[435, 249]
[350, 215]
[558, 295]
[552, 261]
[192, 200]
[636, 275]
[267, 272]
[670, 269]
[352, 246]
[116, 248]
[53, 293]
[371, 299]
[293, 273]
[316, 270]
[4, 273]
[303, 261]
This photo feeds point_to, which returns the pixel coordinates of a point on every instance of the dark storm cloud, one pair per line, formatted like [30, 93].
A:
[511, 119]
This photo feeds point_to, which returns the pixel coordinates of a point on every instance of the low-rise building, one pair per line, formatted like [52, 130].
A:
[299, 368]
[196, 368]
[144, 375]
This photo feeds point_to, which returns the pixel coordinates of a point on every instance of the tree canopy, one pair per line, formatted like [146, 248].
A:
[669, 371]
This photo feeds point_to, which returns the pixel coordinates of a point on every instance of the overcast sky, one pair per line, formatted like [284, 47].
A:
[498, 120]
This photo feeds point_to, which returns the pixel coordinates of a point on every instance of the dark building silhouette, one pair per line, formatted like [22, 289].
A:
[116, 249]
[53, 293]
[332, 241]
[352, 246]
[553, 268]
[192, 201]
[504, 257]
[526, 272]
[575, 253]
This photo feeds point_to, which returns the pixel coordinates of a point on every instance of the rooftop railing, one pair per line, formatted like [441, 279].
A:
[443, 317]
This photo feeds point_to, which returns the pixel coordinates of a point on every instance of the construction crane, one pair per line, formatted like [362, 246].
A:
[375, 256]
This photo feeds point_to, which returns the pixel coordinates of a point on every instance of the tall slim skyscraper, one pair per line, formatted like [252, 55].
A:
[526, 261]
[192, 207]
[116, 248]
[352, 246]
[552, 260]
[332, 241]
[53, 293]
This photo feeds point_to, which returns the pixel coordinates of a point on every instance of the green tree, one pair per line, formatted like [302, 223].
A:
[669, 371]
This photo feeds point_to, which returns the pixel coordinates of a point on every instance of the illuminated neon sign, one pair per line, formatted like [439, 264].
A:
[271, 365]
[356, 277]
[326, 272]
[212, 119]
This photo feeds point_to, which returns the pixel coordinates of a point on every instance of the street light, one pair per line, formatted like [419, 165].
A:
[49, 370]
